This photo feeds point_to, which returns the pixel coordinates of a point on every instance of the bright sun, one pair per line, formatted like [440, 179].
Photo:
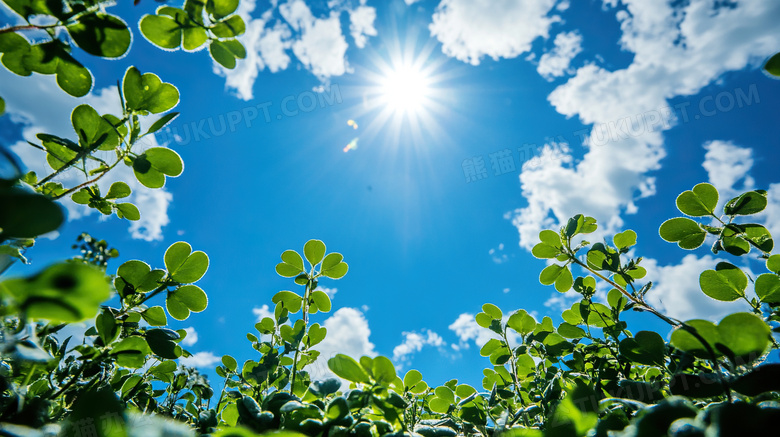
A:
[405, 89]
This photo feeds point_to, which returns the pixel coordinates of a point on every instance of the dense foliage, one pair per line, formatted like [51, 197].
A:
[590, 375]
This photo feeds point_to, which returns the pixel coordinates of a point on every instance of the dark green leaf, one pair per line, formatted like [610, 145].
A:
[101, 35]
[745, 204]
[27, 215]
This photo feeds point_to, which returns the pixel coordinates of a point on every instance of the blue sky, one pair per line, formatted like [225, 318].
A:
[626, 104]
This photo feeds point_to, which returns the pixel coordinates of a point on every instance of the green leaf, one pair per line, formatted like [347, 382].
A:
[163, 343]
[570, 331]
[521, 322]
[128, 211]
[616, 299]
[747, 203]
[773, 264]
[161, 122]
[147, 93]
[726, 283]
[221, 8]
[2, 106]
[101, 34]
[291, 301]
[26, 8]
[316, 334]
[65, 292]
[333, 267]
[383, 370]
[221, 53]
[321, 300]
[193, 38]
[337, 408]
[493, 311]
[685, 341]
[314, 251]
[27, 215]
[558, 275]
[118, 190]
[131, 352]
[625, 239]
[107, 328]
[683, 231]
[230, 28]
[183, 265]
[292, 258]
[772, 65]
[152, 166]
[768, 289]
[701, 201]
[155, 316]
[185, 299]
[556, 345]
[347, 368]
[412, 378]
[745, 334]
[230, 363]
[161, 31]
[646, 347]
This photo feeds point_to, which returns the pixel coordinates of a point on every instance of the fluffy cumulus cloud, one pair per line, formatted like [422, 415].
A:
[679, 48]
[191, 338]
[23, 96]
[348, 334]
[317, 42]
[676, 290]
[468, 331]
[472, 29]
[728, 167]
[203, 360]
[555, 63]
[414, 342]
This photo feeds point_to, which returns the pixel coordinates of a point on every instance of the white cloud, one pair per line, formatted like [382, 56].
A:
[329, 291]
[677, 51]
[22, 96]
[677, 294]
[262, 312]
[726, 165]
[348, 334]
[468, 331]
[200, 359]
[497, 254]
[556, 62]
[191, 338]
[361, 24]
[414, 342]
[472, 29]
[317, 42]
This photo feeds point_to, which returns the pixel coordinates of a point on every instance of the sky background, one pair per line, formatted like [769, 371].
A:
[624, 105]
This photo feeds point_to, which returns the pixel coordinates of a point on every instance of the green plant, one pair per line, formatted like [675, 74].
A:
[590, 375]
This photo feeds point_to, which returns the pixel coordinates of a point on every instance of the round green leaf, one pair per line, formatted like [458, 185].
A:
[521, 322]
[747, 203]
[131, 352]
[646, 347]
[550, 274]
[685, 341]
[625, 239]
[66, 292]
[564, 281]
[683, 231]
[128, 211]
[27, 215]
[133, 272]
[230, 363]
[73, 77]
[493, 311]
[101, 35]
[292, 258]
[772, 65]
[346, 367]
[726, 283]
[147, 92]
[768, 289]
[163, 343]
[194, 37]
[222, 54]
[745, 334]
[314, 251]
[291, 301]
[185, 299]
[383, 370]
[230, 28]
[155, 316]
[773, 264]
[321, 300]
[570, 331]
[701, 201]
[161, 31]
[118, 190]
[412, 377]
[192, 269]
[221, 8]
